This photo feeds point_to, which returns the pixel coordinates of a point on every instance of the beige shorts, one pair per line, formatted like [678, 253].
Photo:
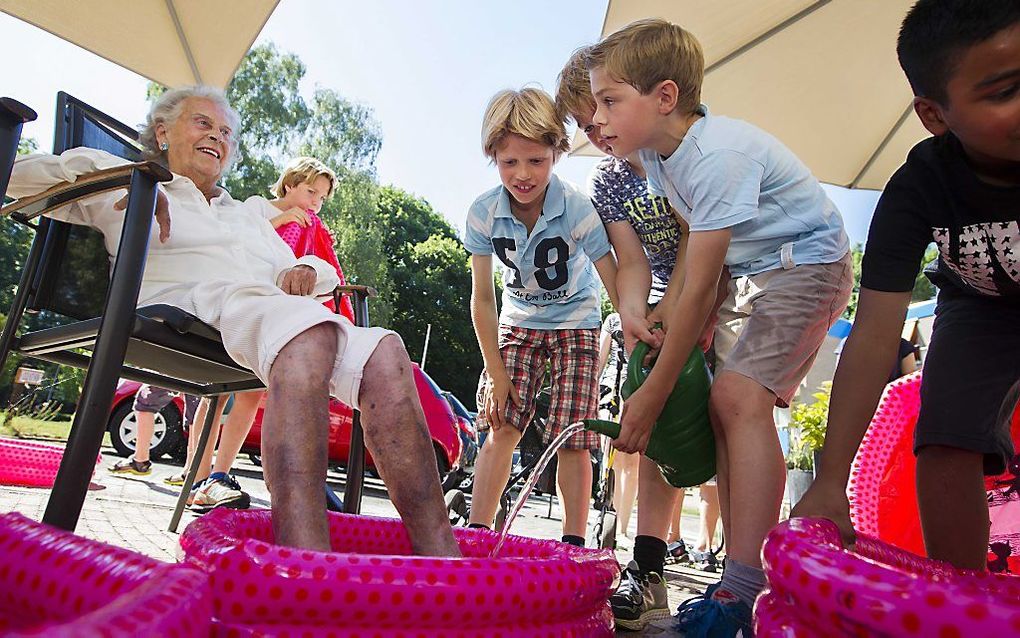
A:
[257, 320]
[771, 325]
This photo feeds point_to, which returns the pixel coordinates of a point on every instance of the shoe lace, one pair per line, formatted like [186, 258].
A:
[231, 482]
[633, 584]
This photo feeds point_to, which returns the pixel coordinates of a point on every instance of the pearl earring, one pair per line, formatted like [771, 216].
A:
[164, 146]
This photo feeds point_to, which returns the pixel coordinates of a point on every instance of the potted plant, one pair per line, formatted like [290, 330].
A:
[807, 428]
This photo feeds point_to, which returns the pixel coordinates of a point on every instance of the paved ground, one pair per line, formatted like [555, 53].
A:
[134, 512]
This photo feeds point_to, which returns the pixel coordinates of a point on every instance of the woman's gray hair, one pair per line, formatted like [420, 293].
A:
[168, 107]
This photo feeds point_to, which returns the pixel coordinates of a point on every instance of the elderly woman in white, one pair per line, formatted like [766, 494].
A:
[221, 260]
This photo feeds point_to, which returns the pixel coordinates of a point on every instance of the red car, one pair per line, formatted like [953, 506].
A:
[170, 437]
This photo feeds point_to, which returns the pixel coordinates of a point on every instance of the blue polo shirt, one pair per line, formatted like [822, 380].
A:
[727, 173]
[549, 280]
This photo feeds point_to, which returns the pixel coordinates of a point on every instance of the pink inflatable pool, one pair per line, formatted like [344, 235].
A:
[816, 588]
[371, 585]
[56, 584]
[883, 496]
[29, 463]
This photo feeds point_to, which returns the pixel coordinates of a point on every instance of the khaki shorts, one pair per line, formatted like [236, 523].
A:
[771, 325]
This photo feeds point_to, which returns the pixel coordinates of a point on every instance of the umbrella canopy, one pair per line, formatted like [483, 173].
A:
[172, 42]
[822, 76]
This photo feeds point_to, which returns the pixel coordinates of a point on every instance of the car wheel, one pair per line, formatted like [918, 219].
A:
[167, 435]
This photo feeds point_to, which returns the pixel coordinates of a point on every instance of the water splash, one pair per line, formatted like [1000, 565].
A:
[522, 498]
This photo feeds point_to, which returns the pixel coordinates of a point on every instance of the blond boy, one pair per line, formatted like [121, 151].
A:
[547, 236]
[754, 209]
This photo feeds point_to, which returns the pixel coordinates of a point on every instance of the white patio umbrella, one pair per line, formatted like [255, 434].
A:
[172, 42]
[821, 76]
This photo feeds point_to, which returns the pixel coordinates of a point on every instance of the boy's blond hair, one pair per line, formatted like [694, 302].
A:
[573, 87]
[647, 52]
[529, 113]
[303, 170]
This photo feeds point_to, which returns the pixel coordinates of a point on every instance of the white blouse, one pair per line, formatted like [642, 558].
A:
[221, 239]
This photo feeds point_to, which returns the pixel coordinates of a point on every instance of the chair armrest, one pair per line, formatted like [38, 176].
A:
[106, 180]
[367, 291]
[15, 110]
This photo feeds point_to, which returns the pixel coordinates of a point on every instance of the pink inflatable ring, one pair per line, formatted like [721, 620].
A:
[28, 463]
[56, 584]
[371, 585]
[876, 590]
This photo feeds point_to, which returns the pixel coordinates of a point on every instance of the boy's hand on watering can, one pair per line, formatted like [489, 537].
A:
[500, 390]
[638, 328]
[636, 422]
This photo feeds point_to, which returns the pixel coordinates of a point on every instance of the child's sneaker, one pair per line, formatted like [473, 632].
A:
[640, 599]
[705, 561]
[219, 490]
[131, 466]
[717, 614]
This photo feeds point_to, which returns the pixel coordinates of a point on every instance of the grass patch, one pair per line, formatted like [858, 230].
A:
[23, 427]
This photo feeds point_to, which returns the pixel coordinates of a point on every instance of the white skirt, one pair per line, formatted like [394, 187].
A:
[257, 320]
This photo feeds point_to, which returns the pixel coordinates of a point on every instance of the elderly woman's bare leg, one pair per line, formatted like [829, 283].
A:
[397, 436]
[295, 436]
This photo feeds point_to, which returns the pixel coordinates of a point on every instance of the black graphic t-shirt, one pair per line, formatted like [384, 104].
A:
[936, 196]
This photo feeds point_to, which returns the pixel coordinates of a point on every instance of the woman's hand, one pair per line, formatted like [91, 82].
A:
[293, 215]
[162, 212]
[299, 280]
[500, 389]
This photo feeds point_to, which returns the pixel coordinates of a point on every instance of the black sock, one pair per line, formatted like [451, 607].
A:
[570, 539]
[478, 526]
[650, 553]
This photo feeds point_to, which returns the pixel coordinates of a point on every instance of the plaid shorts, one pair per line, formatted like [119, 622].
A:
[572, 356]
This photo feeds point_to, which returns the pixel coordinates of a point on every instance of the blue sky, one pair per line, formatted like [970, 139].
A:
[427, 70]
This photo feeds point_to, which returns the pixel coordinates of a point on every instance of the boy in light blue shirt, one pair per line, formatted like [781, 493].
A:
[755, 211]
[548, 236]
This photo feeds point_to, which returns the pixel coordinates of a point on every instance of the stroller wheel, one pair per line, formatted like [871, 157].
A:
[456, 507]
[605, 530]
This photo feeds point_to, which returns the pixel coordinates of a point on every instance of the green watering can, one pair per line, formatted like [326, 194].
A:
[682, 443]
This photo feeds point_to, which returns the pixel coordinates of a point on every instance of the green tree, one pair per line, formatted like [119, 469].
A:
[430, 273]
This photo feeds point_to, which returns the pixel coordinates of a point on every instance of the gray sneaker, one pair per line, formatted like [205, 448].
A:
[640, 599]
[219, 490]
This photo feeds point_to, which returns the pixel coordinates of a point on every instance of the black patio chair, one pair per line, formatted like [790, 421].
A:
[66, 276]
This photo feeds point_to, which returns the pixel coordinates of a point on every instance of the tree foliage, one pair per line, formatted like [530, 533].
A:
[430, 273]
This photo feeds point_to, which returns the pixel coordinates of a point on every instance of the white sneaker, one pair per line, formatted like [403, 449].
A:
[219, 490]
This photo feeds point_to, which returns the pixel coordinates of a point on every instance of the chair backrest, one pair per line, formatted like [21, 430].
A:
[74, 271]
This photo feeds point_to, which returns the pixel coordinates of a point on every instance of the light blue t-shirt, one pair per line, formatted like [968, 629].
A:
[727, 173]
[549, 280]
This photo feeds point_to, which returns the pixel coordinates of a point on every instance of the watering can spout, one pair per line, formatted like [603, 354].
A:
[682, 443]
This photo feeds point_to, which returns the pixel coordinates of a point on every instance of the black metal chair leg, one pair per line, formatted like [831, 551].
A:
[196, 461]
[355, 484]
[21, 298]
[79, 461]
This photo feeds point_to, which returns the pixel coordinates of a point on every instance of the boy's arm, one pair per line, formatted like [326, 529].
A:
[606, 267]
[868, 355]
[706, 251]
[676, 279]
[633, 283]
[486, 323]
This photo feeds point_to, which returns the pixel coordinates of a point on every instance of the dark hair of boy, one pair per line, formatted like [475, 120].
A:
[935, 31]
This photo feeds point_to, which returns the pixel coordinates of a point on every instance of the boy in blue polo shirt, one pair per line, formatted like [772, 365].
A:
[547, 235]
[755, 211]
